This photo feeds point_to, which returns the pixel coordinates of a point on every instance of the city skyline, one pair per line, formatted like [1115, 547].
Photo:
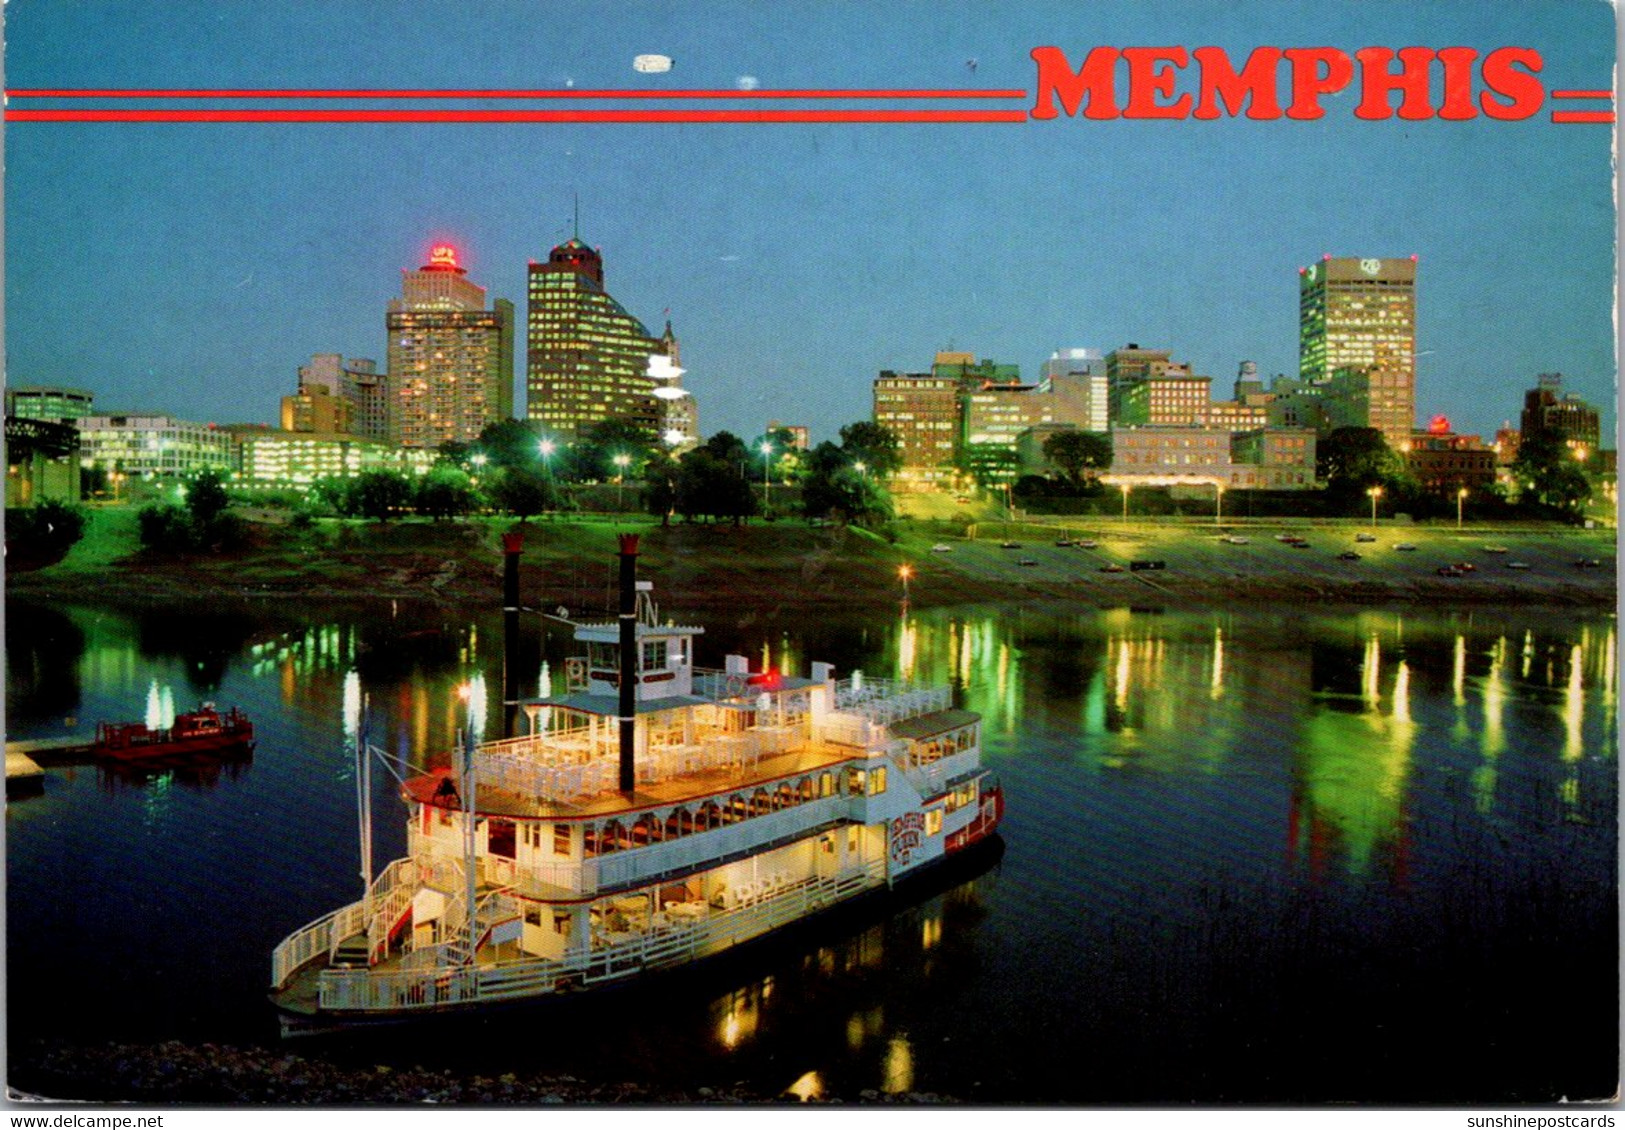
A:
[797, 261]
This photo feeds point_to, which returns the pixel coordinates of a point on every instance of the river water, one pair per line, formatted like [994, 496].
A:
[1293, 858]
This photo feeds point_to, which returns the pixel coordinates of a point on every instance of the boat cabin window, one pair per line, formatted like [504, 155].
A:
[826, 783]
[855, 779]
[654, 655]
[500, 838]
[561, 839]
[603, 655]
[933, 821]
[877, 781]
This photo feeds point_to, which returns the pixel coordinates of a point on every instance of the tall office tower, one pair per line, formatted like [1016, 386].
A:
[358, 383]
[1078, 376]
[450, 358]
[923, 410]
[1357, 336]
[1547, 408]
[586, 359]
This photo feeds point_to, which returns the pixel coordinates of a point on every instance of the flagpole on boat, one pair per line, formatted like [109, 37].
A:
[469, 819]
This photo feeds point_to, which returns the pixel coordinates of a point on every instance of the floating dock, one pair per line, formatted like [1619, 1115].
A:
[25, 762]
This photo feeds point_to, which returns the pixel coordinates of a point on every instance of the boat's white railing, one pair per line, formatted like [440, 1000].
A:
[903, 702]
[568, 875]
[414, 989]
[618, 868]
[931, 777]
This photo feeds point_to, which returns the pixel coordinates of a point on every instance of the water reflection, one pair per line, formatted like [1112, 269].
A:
[1182, 787]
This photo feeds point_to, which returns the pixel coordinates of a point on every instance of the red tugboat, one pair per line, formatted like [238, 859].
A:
[204, 732]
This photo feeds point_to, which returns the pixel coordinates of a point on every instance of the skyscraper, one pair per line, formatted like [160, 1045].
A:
[450, 358]
[586, 359]
[1357, 338]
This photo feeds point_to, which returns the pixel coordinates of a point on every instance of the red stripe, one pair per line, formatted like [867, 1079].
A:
[1582, 115]
[1582, 94]
[669, 116]
[427, 94]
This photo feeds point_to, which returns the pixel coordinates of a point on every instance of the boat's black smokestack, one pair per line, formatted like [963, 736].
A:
[629, 657]
[512, 545]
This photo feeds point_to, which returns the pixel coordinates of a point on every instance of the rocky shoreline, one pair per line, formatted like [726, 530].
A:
[174, 1073]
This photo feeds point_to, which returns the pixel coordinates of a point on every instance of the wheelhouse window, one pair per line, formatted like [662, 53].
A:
[654, 655]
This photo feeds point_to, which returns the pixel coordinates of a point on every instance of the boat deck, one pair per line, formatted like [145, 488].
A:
[689, 786]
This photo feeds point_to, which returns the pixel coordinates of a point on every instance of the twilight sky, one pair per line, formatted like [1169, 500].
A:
[191, 268]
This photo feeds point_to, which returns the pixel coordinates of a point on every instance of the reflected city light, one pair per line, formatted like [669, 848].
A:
[907, 641]
[1216, 683]
[807, 1087]
[1370, 671]
[352, 707]
[1402, 693]
[1574, 707]
[899, 1066]
[1458, 671]
[155, 709]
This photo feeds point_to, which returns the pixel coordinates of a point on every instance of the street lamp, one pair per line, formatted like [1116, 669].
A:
[1218, 503]
[1124, 487]
[905, 573]
[1460, 494]
[621, 462]
[767, 487]
[1374, 493]
[862, 469]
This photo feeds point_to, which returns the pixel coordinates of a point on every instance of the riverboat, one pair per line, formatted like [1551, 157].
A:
[202, 733]
[655, 815]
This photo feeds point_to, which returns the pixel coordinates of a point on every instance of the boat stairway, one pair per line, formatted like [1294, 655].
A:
[351, 953]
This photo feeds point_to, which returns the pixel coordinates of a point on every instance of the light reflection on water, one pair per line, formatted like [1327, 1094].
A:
[1182, 789]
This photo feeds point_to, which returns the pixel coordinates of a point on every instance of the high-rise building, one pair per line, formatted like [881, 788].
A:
[358, 383]
[56, 404]
[1357, 340]
[923, 411]
[586, 359]
[1078, 376]
[450, 358]
[1546, 408]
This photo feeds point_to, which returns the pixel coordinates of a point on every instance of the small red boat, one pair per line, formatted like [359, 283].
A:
[205, 731]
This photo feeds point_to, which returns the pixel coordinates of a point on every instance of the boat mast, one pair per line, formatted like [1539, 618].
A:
[469, 820]
[363, 786]
[512, 544]
[629, 658]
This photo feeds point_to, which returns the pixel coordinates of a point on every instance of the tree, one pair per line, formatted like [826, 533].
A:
[594, 454]
[522, 492]
[1548, 474]
[206, 497]
[445, 492]
[660, 476]
[873, 445]
[379, 494]
[510, 443]
[834, 488]
[1354, 457]
[711, 486]
[1075, 453]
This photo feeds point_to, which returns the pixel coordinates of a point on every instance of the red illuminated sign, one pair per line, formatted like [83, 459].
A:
[443, 255]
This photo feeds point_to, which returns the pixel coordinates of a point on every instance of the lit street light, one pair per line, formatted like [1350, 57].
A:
[767, 487]
[1374, 493]
[621, 462]
[905, 573]
[1460, 495]
[862, 469]
[1125, 501]
[1218, 503]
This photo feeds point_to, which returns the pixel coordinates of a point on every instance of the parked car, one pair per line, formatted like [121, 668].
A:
[1009, 545]
[940, 548]
[1065, 543]
[1405, 547]
[1517, 564]
[1587, 563]
[1087, 543]
[1365, 537]
[1026, 561]
[1111, 567]
[1348, 555]
[1466, 566]
[1139, 566]
[1234, 539]
[1495, 549]
[1449, 571]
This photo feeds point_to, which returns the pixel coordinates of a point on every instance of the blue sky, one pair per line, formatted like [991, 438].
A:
[191, 269]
